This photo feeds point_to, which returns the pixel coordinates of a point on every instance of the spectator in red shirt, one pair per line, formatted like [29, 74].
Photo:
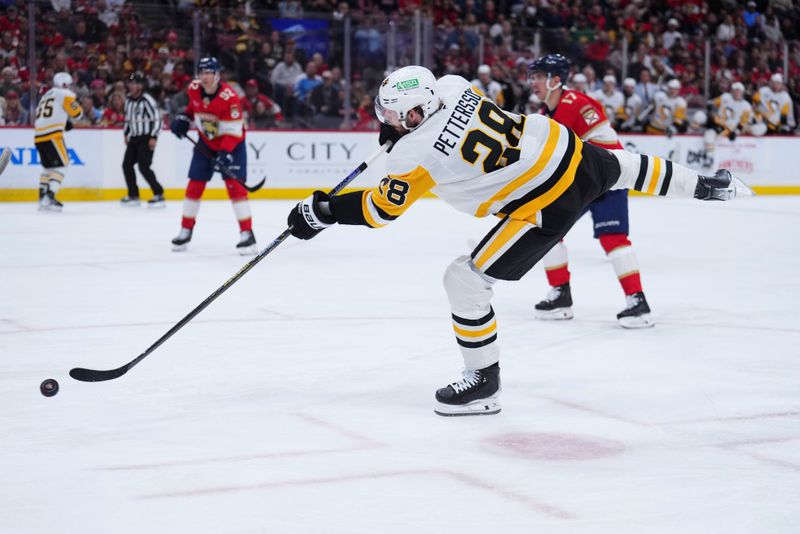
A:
[252, 97]
[10, 21]
[114, 114]
[179, 77]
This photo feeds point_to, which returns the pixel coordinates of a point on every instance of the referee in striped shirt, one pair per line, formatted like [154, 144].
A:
[142, 125]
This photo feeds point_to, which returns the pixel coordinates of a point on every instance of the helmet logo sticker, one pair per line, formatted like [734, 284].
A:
[407, 84]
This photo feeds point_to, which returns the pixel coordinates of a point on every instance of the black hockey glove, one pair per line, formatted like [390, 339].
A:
[224, 160]
[388, 133]
[68, 126]
[180, 125]
[311, 216]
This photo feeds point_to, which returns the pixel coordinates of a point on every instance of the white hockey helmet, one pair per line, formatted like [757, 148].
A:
[758, 129]
[699, 119]
[404, 90]
[62, 79]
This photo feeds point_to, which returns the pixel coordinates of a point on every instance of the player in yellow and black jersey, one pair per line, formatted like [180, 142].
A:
[57, 108]
[533, 174]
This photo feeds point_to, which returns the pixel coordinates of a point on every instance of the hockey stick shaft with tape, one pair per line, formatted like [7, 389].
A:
[92, 375]
[5, 157]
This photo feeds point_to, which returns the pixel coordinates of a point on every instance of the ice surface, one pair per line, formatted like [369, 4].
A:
[301, 400]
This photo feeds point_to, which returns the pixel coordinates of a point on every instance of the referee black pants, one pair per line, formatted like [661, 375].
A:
[138, 152]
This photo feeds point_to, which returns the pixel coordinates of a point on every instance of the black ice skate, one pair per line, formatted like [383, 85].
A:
[247, 243]
[557, 305]
[636, 313]
[129, 201]
[157, 202]
[180, 243]
[722, 186]
[475, 394]
[49, 202]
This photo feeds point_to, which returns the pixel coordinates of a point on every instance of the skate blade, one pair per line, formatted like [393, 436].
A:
[156, 205]
[558, 314]
[741, 189]
[130, 204]
[54, 209]
[180, 248]
[641, 321]
[487, 406]
[252, 250]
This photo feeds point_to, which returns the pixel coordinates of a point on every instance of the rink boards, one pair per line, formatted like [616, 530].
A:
[297, 162]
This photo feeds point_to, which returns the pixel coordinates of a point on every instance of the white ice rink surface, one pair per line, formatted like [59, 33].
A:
[301, 400]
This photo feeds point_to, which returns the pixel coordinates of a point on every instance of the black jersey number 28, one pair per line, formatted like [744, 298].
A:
[497, 153]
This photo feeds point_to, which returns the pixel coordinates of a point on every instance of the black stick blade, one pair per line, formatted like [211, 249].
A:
[254, 188]
[92, 375]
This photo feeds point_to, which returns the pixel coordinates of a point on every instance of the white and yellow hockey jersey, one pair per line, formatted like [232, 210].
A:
[732, 114]
[478, 158]
[775, 108]
[56, 107]
[613, 105]
[631, 108]
[667, 111]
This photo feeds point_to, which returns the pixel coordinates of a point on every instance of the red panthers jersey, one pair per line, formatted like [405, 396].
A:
[218, 117]
[585, 116]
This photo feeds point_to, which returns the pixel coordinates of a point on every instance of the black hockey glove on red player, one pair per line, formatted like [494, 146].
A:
[180, 125]
[311, 216]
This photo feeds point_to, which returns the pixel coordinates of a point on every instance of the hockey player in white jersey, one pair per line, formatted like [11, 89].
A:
[668, 111]
[733, 115]
[631, 107]
[612, 99]
[774, 106]
[54, 115]
[489, 87]
[533, 174]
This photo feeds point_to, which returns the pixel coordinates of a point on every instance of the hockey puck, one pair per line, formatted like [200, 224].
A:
[49, 387]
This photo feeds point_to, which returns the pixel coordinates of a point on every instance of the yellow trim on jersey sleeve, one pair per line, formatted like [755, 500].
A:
[71, 106]
[541, 163]
[394, 195]
[475, 89]
[654, 175]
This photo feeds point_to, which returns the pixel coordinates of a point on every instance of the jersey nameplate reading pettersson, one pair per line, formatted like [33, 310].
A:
[459, 118]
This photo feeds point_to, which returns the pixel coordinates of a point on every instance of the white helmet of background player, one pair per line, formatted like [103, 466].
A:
[699, 120]
[673, 87]
[404, 90]
[737, 90]
[62, 79]
[758, 129]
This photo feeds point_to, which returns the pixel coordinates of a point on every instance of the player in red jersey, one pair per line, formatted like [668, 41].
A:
[217, 113]
[586, 117]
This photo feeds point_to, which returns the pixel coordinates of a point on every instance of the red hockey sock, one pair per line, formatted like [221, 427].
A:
[558, 276]
[631, 284]
[556, 265]
[619, 249]
[241, 207]
[191, 203]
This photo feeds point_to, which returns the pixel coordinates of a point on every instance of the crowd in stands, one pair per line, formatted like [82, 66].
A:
[285, 83]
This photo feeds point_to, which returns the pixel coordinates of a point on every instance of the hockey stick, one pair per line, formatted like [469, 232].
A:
[91, 375]
[226, 171]
[5, 157]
